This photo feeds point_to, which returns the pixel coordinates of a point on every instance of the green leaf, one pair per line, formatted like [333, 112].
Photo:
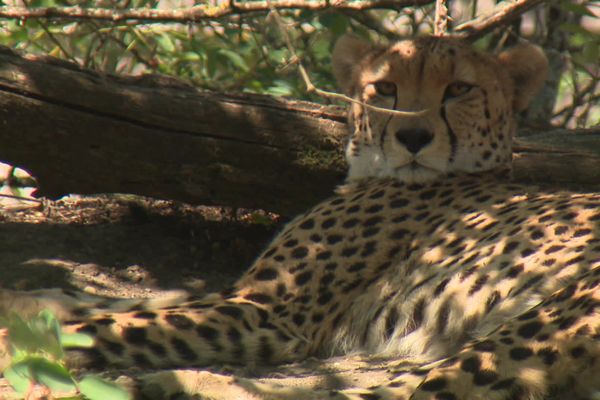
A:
[306, 14]
[574, 28]
[131, 46]
[95, 388]
[39, 335]
[278, 55]
[51, 321]
[76, 340]
[52, 375]
[337, 23]
[20, 335]
[280, 88]
[210, 63]
[190, 56]
[255, 85]
[576, 8]
[165, 42]
[260, 219]
[18, 377]
[39, 35]
[321, 48]
[591, 52]
[46, 331]
[181, 35]
[235, 59]
[139, 34]
[41, 371]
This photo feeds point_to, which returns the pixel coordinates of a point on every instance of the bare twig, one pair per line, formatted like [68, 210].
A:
[311, 88]
[504, 12]
[370, 22]
[440, 24]
[57, 42]
[473, 9]
[200, 12]
[585, 95]
[500, 15]
[10, 196]
[119, 42]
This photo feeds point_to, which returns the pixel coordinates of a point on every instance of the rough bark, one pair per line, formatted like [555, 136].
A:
[82, 132]
[567, 158]
[200, 11]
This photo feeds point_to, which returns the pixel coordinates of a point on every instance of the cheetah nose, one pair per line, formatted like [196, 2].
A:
[414, 139]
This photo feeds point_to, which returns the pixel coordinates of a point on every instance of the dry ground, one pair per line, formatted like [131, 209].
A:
[128, 246]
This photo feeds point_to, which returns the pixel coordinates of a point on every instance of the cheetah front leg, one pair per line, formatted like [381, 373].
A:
[551, 351]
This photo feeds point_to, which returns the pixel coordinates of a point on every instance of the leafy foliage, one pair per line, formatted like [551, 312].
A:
[580, 84]
[37, 358]
[246, 53]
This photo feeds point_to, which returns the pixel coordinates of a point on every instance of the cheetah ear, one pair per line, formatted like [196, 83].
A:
[527, 65]
[347, 54]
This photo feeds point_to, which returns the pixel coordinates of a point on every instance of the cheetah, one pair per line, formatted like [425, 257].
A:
[428, 253]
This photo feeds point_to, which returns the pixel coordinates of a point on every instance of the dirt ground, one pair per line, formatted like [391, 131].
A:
[128, 246]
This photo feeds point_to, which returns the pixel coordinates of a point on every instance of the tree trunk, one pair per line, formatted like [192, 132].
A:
[78, 131]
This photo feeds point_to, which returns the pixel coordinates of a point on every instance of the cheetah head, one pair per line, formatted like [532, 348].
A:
[469, 98]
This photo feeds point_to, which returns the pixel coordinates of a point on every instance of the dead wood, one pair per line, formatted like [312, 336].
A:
[82, 132]
[198, 12]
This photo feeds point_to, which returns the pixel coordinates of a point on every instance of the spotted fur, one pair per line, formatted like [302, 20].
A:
[428, 254]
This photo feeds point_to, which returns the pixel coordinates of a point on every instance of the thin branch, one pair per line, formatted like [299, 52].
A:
[10, 196]
[579, 99]
[200, 12]
[311, 88]
[500, 15]
[440, 24]
[473, 9]
[57, 42]
[119, 42]
[370, 22]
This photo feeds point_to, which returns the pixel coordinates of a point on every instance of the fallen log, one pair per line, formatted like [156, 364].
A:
[79, 131]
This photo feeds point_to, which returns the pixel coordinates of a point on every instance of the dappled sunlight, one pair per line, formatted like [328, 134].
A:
[450, 284]
[93, 278]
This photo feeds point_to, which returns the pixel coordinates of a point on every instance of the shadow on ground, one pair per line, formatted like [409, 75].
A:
[127, 245]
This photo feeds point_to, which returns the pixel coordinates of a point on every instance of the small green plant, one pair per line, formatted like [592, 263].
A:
[38, 358]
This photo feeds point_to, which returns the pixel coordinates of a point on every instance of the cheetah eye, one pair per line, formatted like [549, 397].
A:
[456, 89]
[385, 88]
